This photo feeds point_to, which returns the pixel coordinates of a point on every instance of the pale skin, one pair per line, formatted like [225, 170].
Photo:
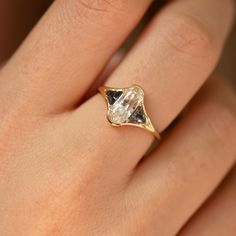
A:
[65, 171]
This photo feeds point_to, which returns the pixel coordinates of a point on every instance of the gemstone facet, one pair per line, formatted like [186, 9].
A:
[138, 116]
[112, 96]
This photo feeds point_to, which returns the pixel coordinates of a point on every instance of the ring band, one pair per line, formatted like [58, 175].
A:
[125, 106]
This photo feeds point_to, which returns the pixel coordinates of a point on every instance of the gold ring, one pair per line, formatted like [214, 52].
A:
[125, 106]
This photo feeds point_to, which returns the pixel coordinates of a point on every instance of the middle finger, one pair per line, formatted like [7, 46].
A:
[65, 52]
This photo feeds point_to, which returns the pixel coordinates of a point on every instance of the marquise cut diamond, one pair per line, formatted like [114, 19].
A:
[124, 105]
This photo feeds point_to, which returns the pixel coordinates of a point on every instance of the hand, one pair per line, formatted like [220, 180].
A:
[65, 171]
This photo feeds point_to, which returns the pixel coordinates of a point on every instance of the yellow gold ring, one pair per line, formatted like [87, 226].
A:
[126, 107]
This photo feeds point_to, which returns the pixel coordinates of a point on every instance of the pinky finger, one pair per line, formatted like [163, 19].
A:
[218, 216]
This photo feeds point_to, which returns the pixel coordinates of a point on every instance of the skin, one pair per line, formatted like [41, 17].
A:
[65, 171]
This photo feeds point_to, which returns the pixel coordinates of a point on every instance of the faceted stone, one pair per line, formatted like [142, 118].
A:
[138, 116]
[112, 96]
[125, 105]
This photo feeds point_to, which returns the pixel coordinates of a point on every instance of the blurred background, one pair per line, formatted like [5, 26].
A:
[17, 17]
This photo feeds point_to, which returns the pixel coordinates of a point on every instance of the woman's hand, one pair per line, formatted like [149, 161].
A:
[65, 171]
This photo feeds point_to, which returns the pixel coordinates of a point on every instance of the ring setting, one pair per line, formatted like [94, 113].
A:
[125, 106]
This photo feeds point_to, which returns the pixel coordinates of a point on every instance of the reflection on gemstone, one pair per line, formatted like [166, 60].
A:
[125, 105]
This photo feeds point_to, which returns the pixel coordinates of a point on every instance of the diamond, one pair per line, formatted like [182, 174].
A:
[138, 116]
[125, 105]
[112, 96]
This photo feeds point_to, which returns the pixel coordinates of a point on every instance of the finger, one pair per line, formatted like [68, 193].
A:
[181, 47]
[108, 69]
[16, 19]
[218, 216]
[171, 61]
[66, 51]
[176, 179]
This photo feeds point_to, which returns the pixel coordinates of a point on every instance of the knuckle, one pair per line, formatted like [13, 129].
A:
[188, 36]
[94, 5]
[107, 11]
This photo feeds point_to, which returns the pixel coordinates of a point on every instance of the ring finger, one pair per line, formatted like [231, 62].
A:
[171, 60]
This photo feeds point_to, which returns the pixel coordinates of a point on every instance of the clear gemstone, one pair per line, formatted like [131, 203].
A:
[125, 105]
